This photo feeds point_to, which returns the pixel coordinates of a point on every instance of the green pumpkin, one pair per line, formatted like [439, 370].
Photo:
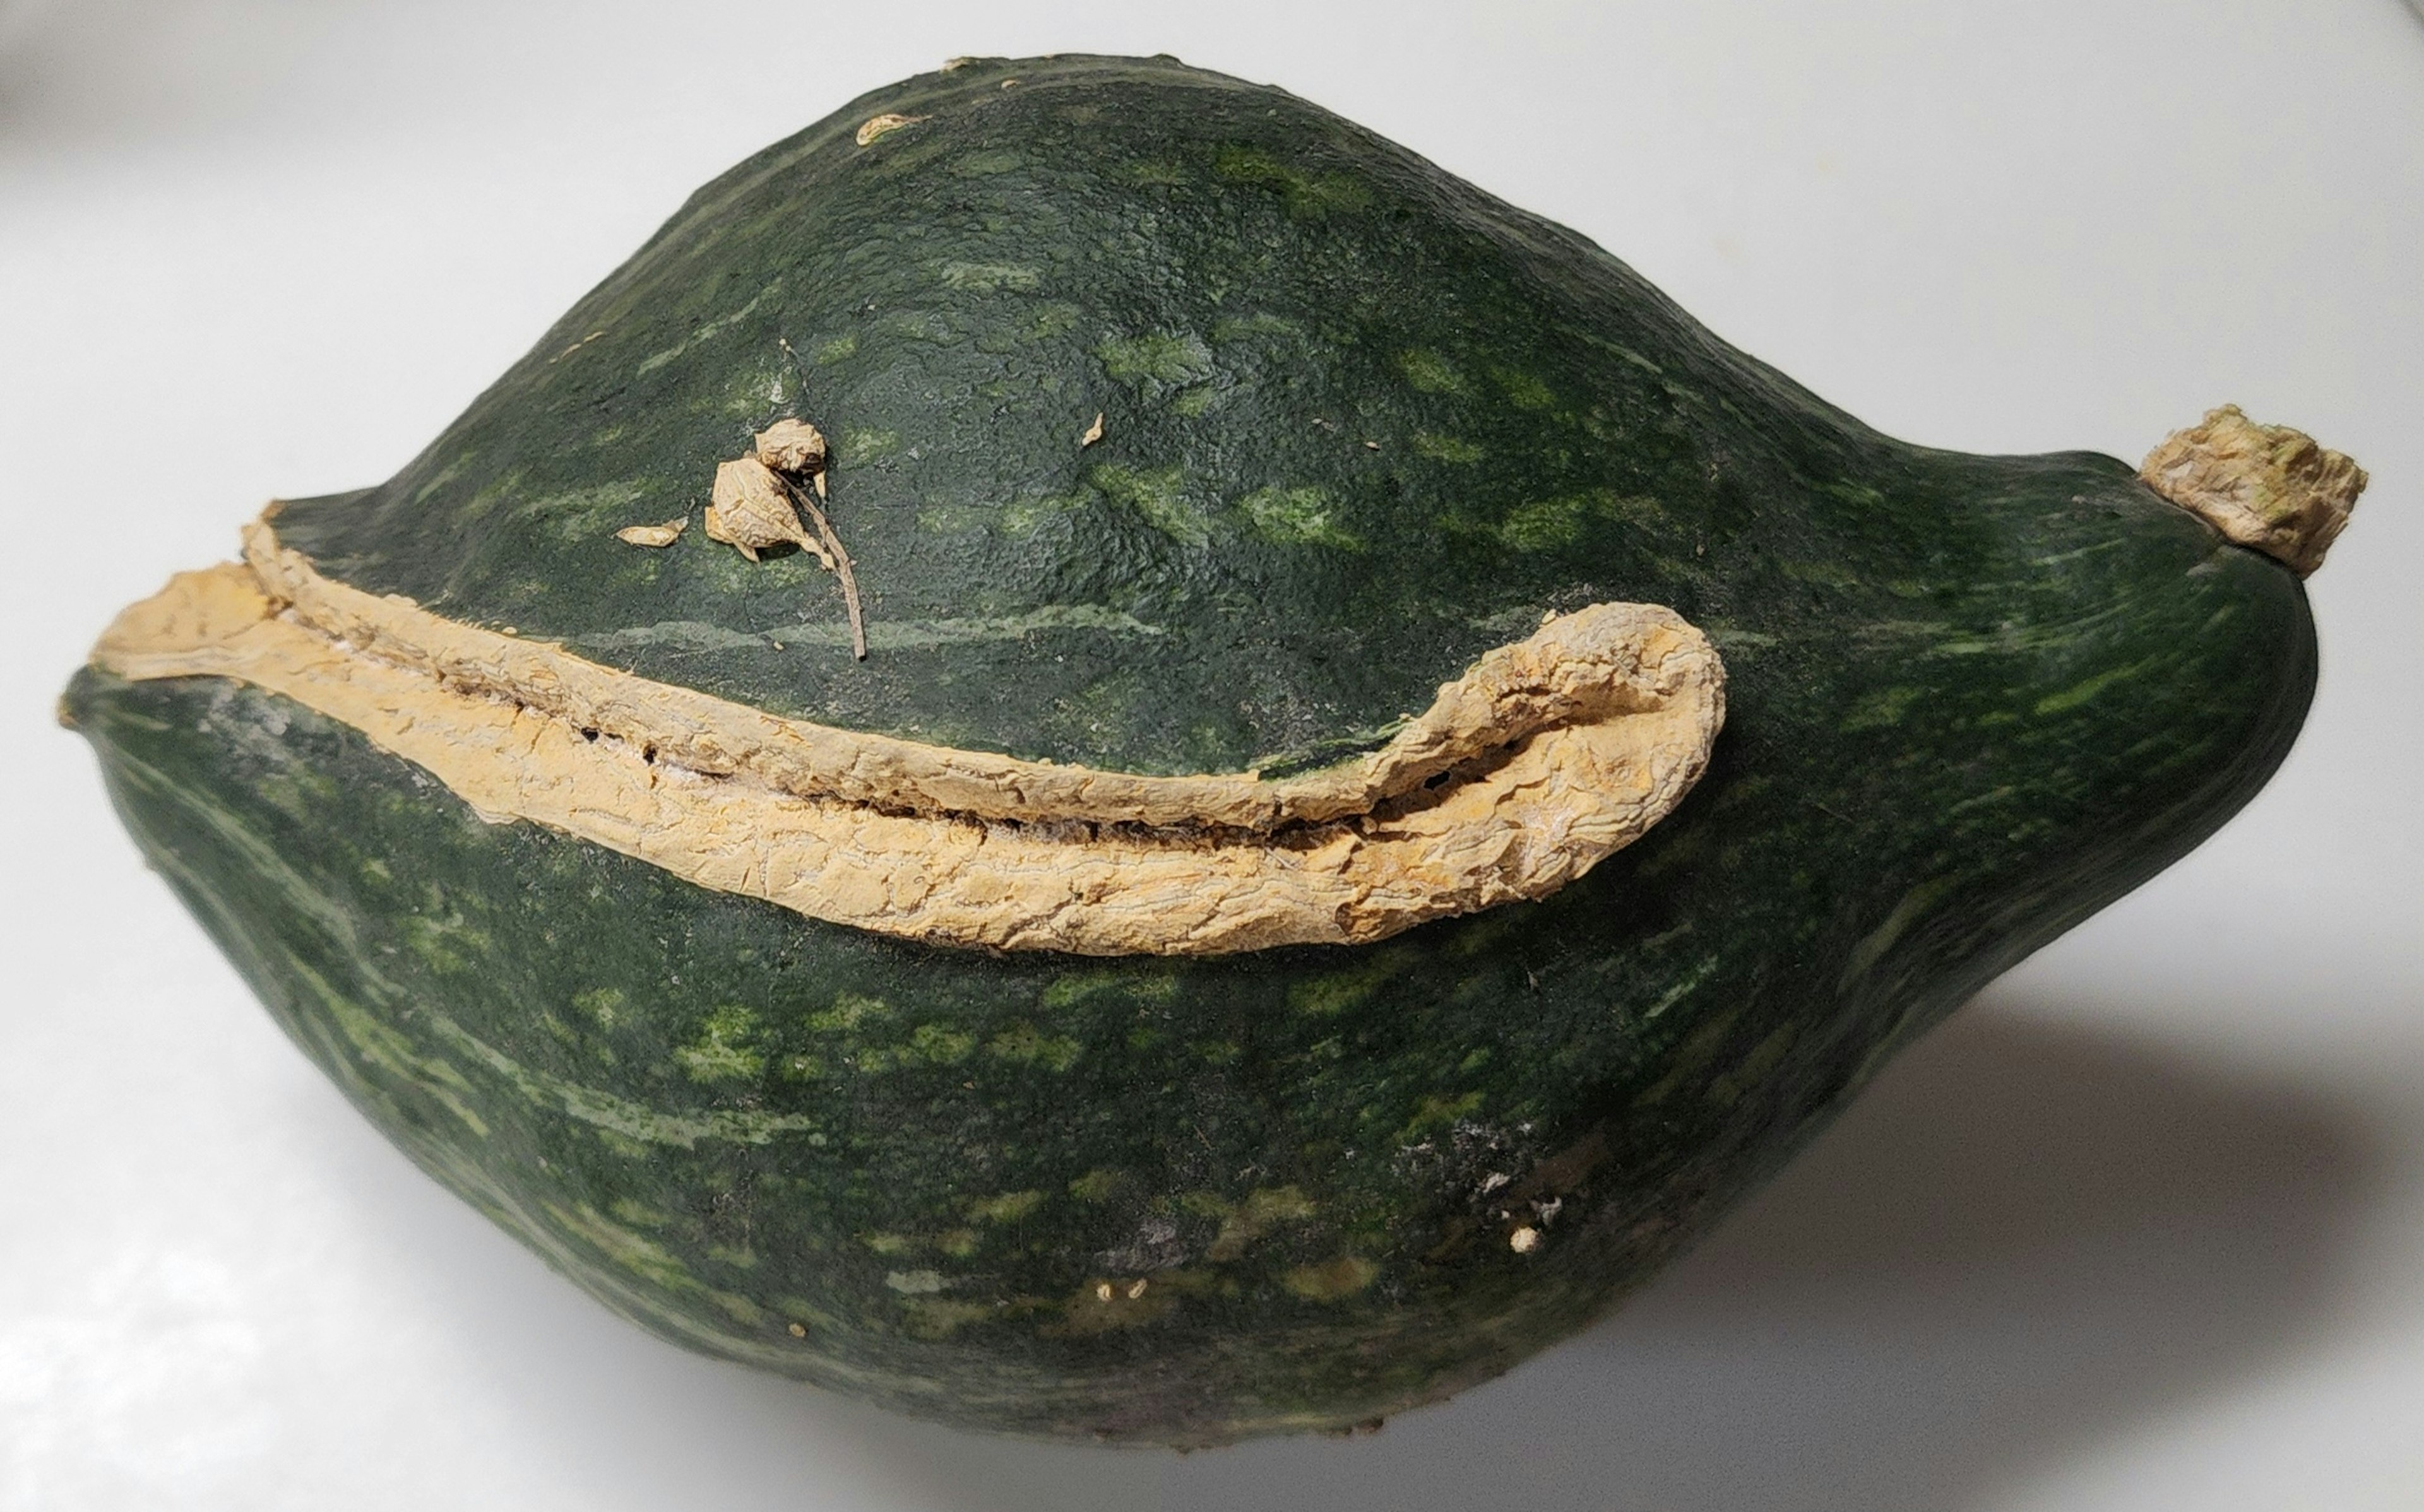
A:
[1359, 423]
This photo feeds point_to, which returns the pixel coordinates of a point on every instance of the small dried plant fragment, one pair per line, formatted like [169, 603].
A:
[657, 535]
[794, 446]
[751, 510]
[791, 446]
[757, 503]
[881, 125]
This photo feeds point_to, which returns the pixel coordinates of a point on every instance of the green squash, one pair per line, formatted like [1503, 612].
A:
[1358, 424]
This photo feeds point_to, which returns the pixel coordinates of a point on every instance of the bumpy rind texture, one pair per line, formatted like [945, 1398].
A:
[1971, 700]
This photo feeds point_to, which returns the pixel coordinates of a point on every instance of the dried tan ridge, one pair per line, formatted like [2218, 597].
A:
[1544, 758]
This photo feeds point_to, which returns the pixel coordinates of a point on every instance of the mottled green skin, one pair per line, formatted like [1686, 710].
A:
[1972, 700]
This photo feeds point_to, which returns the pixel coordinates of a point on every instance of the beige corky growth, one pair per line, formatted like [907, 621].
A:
[1541, 759]
[2266, 486]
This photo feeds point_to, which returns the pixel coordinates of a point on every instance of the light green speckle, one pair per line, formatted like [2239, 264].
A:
[1882, 709]
[1341, 990]
[722, 1051]
[604, 1005]
[1007, 1208]
[1437, 1111]
[1025, 515]
[864, 446]
[1262, 1208]
[1243, 327]
[634, 1124]
[839, 348]
[1873, 945]
[1429, 372]
[1545, 523]
[937, 1046]
[1305, 194]
[849, 1012]
[1857, 494]
[1333, 1280]
[984, 165]
[1522, 390]
[1053, 319]
[1820, 574]
[1732, 637]
[1549, 523]
[939, 1317]
[1728, 1089]
[1157, 358]
[1198, 401]
[1296, 517]
[1437, 448]
[915, 1283]
[1158, 498]
[635, 1253]
[1024, 1044]
[2080, 693]
[987, 278]
[931, 326]
[637, 1214]
[583, 514]
[916, 634]
[1689, 1056]
[441, 938]
[1682, 988]
[1097, 1185]
[678, 634]
[708, 330]
[1146, 986]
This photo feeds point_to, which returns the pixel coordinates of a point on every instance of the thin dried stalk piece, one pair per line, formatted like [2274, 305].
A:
[752, 511]
[843, 568]
[793, 447]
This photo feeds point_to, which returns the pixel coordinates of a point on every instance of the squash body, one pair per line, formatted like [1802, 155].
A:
[1361, 423]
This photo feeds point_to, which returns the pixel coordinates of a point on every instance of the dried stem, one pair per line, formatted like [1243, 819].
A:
[840, 565]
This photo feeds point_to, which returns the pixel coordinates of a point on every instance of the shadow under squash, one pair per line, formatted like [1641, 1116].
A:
[2023, 1237]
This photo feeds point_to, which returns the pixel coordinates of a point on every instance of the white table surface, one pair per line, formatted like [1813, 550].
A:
[2142, 1228]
